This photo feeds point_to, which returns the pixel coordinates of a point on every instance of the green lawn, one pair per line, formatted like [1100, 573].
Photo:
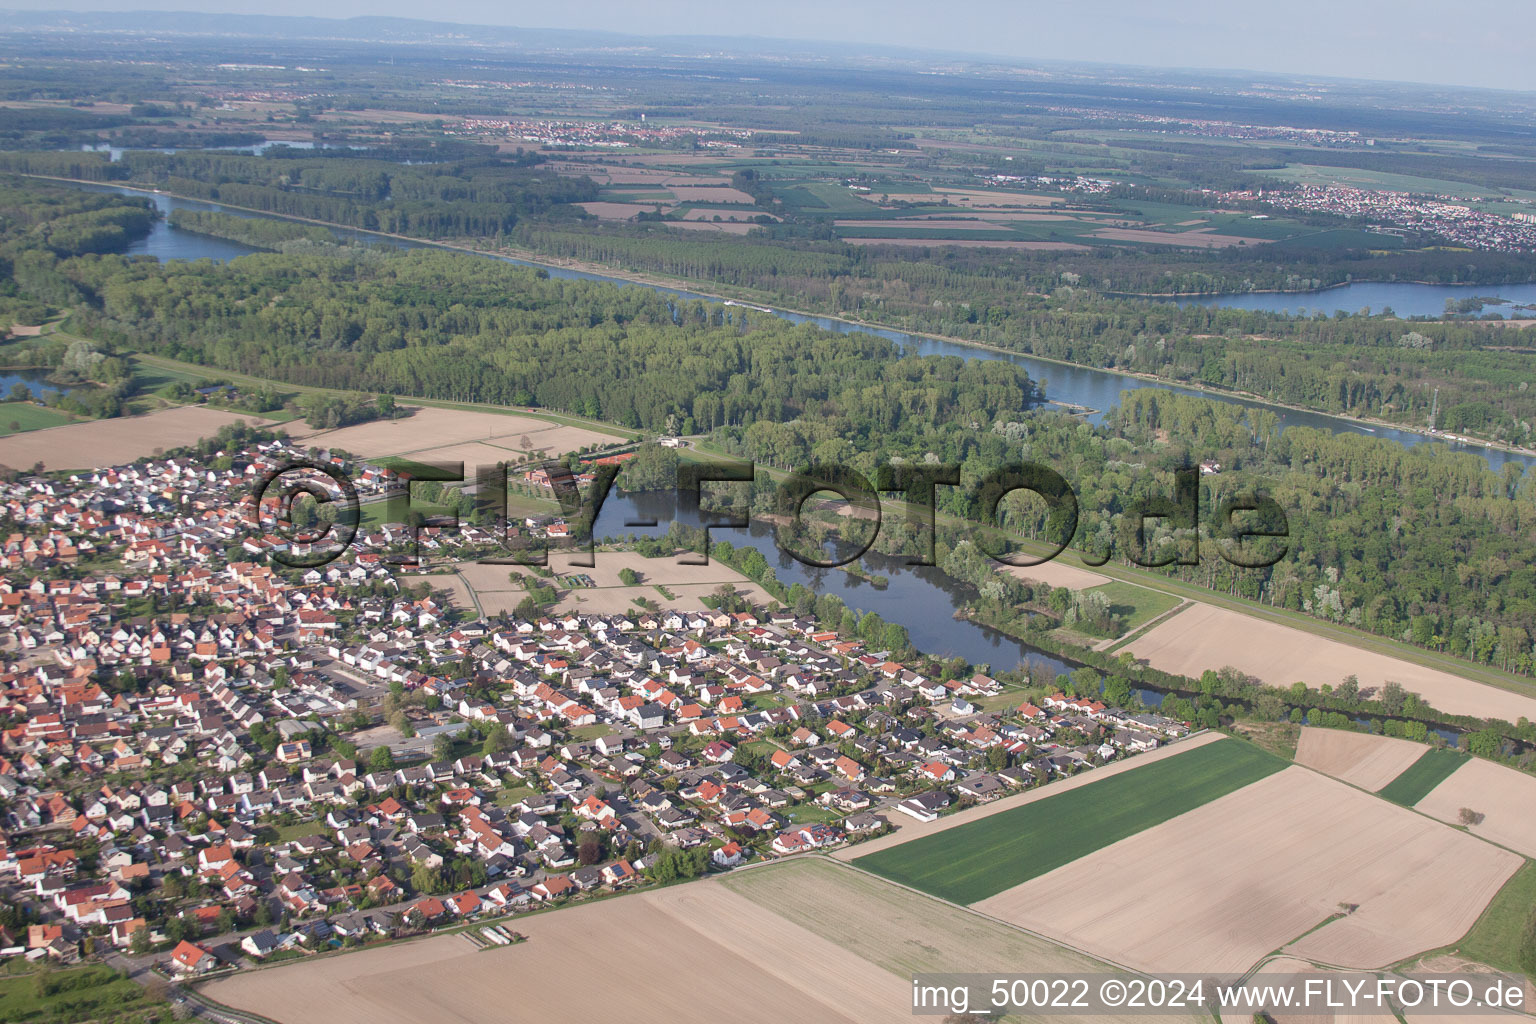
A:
[1137, 604]
[513, 794]
[591, 732]
[983, 858]
[1495, 938]
[299, 830]
[16, 417]
[78, 994]
[1422, 776]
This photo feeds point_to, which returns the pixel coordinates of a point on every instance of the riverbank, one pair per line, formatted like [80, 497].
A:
[686, 288]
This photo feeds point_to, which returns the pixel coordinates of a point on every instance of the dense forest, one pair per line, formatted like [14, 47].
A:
[1417, 544]
[479, 197]
[1051, 305]
[257, 232]
[447, 326]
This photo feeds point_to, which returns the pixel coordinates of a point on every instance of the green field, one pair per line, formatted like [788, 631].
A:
[1422, 776]
[96, 993]
[983, 858]
[1137, 604]
[1495, 939]
[824, 197]
[16, 417]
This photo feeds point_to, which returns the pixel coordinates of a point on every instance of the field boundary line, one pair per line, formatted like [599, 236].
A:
[1414, 809]
[1148, 626]
[972, 910]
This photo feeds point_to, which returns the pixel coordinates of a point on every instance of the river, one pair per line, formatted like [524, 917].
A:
[1098, 390]
[909, 588]
[1402, 298]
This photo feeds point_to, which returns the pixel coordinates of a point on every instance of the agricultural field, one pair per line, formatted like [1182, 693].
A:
[96, 993]
[970, 243]
[457, 589]
[653, 951]
[115, 442]
[908, 829]
[982, 217]
[986, 857]
[19, 417]
[1057, 573]
[1502, 927]
[687, 583]
[431, 434]
[608, 594]
[1137, 605]
[1206, 636]
[801, 940]
[1506, 799]
[491, 587]
[1357, 758]
[1416, 782]
[1294, 860]
[896, 929]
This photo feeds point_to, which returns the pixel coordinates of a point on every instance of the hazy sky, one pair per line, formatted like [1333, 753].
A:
[1470, 42]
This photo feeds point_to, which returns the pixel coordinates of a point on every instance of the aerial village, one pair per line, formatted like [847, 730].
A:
[209, 759]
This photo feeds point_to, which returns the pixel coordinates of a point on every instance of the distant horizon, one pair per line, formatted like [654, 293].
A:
[1407, 42]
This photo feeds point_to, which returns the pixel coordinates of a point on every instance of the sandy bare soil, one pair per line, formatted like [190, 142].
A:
[1057, 574]
[910, 828]
[951, 223]
[988, 216]
[1205, 637]
[689, 583]
[617, 211]
[665, 571]
[1196, 239]
[969, 244]
[116, 442]
[1505, 797]
[489, 578]
[1357, 758]
[689, 953]
[458, 591]
[607, 174]
[981, 197]
[803, 940]
[725, 228]
[613, 600]
[899, 929]
[727, 213]
[1228, 882]
[431, 433]
[904, 932]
